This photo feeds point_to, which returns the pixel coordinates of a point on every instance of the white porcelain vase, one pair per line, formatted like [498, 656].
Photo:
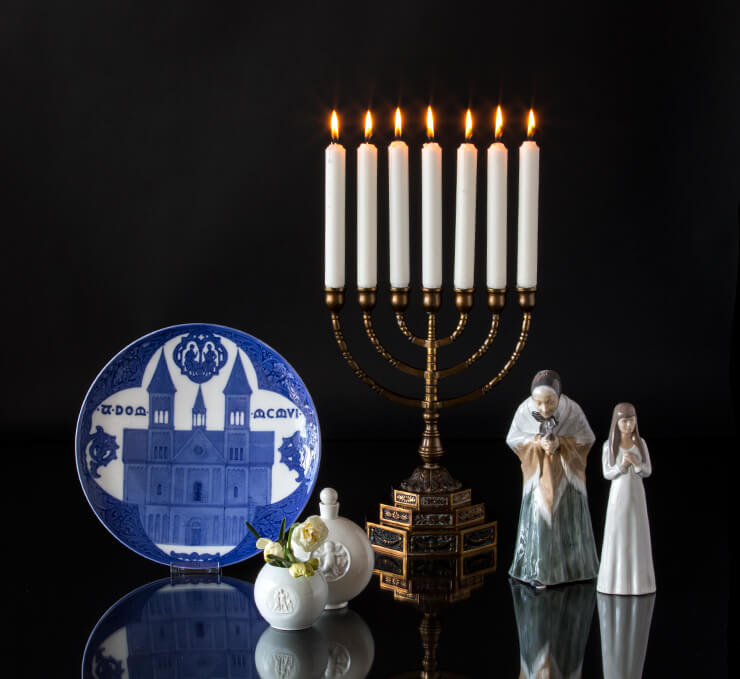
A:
[289, 603]
[346, 558]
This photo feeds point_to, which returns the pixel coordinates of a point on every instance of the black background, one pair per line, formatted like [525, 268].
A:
[163, 163]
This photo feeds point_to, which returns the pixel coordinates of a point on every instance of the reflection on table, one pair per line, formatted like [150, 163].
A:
[433, 581]
[553, 626]
[209, 626]
[339, 644]
[190, 627]
[350, 643]
[625, 627]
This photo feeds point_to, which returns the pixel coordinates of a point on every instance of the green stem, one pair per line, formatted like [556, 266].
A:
[287, 549]
[252, 530]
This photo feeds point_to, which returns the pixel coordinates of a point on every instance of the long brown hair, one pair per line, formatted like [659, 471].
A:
[622, 410]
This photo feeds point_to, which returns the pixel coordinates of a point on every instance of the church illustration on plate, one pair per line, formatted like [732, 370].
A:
[197, 486]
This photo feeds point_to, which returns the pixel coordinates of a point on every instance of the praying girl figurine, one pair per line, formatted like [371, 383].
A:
[626, 555]
[551, 437]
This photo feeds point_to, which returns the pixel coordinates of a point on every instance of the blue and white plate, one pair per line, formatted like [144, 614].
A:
[191, 431]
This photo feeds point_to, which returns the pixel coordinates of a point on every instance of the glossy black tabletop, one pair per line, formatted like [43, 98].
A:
[76, 592]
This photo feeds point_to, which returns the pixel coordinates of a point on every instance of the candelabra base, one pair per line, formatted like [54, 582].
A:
[430, 478]
[433, 546]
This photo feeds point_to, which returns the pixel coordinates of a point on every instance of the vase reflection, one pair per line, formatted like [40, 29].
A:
[553, 626]
[296, 654]
[350, 643]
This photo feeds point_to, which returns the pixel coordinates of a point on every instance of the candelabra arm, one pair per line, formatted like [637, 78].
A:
[465, 398]
[414, 339]
[492, 332]
[344, 349]
[367, 320]
[461, 323]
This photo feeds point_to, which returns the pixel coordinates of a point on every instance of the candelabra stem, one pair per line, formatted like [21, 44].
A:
[431, 477]
[431, 449]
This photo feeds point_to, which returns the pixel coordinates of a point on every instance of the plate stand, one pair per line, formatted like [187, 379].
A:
[182, 570]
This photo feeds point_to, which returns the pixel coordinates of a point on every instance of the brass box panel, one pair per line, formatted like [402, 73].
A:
[402, 497]
[395, 515]
[479, 536]
[434, 543]
[470, 514]
[386, 538]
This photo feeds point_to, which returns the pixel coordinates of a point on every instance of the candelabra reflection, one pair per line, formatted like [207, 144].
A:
[432, 568]
[625, 627]
[209, 626]
[553, 626]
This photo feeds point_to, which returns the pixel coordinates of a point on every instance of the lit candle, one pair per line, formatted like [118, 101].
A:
[529, 181]
[398, 205]
[334, 209]
[467, 160]
[496, 210]
[367, 210]
[431, 209]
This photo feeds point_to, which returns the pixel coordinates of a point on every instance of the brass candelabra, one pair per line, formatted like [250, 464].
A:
[430, 478]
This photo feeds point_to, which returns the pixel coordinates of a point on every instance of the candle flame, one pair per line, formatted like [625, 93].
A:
[430, 123]
[368, 125]
[334, 126]
[499, 123]
[468, 125]
[398, 122]
[530, 124]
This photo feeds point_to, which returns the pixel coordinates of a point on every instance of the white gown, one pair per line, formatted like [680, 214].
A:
[626, 555]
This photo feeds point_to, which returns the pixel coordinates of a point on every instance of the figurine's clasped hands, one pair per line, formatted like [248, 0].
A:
[629, 459]
[549, 444]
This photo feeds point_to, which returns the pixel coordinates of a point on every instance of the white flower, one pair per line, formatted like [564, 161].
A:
[270, 548]
[303, 568]
[311, 533]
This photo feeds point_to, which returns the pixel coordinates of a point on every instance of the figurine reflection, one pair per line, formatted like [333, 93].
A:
[553, 628]
[552, 438]
[625, 627]
[626, 555]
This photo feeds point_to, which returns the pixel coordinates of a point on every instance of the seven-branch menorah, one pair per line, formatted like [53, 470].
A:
[430, 499]
[431, 476]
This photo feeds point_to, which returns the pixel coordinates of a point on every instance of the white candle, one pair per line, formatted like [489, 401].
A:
[367, 211]
[334, 197]
[467, 161]
[398, 203]
[431, 210]
[529, 181]
[496, 217]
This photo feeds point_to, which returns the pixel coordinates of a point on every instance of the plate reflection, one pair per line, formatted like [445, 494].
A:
[189, 627]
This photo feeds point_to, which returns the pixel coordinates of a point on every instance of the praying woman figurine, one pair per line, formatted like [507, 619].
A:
[552, 438]
[626, 555]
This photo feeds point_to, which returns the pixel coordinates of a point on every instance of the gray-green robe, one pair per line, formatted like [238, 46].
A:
[555, 540]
